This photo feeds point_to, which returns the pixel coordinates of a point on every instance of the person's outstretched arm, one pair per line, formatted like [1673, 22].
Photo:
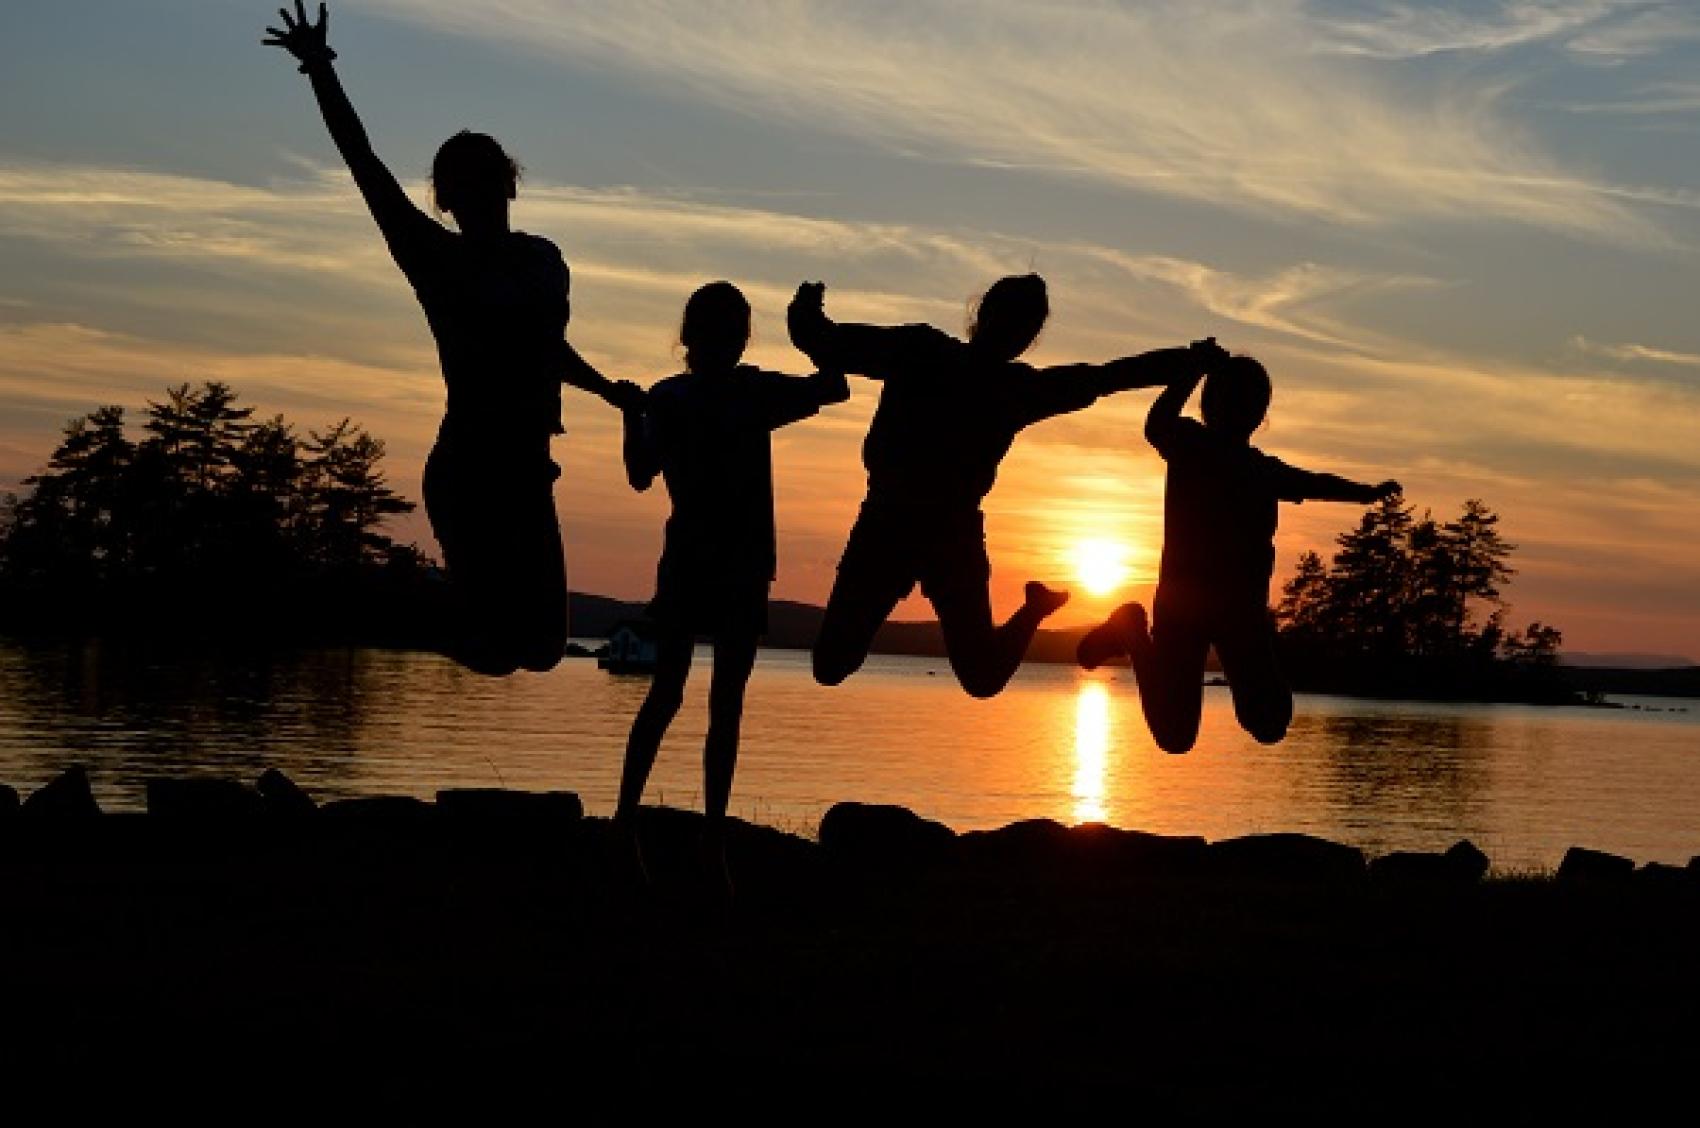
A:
[790, 399]
[643, 460]
[1062, 388]
[577, 372]
[866, 350]
[401, 221]
[1311, 485]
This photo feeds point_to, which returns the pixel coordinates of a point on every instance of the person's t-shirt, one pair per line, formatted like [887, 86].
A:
[1221, 506]
[947, 415]
[709, 434]
[498, 310]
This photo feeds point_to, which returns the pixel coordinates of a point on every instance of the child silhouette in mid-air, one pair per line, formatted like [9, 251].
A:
[1219, 516]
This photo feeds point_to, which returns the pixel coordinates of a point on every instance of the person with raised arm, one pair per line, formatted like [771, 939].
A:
[948, 412]
[1220, 508]
[496, 300]
[706, 433]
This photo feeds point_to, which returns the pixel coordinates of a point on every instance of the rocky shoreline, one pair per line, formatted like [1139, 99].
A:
[400, 948]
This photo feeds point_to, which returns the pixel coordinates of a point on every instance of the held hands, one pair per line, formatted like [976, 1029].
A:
[1208, 354]
[805, 313]
[1385, 490]
[627, 396]
[810, 296]
[307, 41]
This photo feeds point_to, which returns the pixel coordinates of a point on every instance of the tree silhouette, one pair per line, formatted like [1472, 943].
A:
[1414, 607]
[208, 507]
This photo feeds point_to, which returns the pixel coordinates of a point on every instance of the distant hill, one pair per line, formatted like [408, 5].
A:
[1586, 658]
[1677, 681]
[794, 626]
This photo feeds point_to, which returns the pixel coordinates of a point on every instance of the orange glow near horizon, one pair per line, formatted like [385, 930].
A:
[1101, 565]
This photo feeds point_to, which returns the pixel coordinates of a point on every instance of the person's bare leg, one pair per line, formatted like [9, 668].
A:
[734, 658]
[660, 706]
[1169, 669]
[861, 600]
[1263, 701]
[984, 656]
[733, 661]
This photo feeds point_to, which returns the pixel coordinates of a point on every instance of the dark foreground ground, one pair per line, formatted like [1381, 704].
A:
[493, 953]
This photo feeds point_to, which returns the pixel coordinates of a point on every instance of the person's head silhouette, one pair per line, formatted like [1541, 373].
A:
[1236, 397]
[716, 327]
[473, 178]
[1010, 315]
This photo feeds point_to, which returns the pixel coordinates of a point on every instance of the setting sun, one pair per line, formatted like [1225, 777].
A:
[1101, 566]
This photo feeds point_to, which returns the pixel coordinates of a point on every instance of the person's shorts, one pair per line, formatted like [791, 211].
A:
[1221, 613]
[494, 517]
[706, 598]
[890, 550]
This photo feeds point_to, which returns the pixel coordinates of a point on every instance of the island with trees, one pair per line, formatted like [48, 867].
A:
[211, 523]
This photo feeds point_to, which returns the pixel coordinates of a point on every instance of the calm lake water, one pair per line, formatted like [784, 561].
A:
[1523, 783]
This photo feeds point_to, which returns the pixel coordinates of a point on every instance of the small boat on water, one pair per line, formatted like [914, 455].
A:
[630, 649]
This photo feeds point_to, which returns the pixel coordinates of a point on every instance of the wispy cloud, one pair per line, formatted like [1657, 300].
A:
[1230, 103]
[1648, 30]
[1634, 352]
[1407, 31]
[1656, 99]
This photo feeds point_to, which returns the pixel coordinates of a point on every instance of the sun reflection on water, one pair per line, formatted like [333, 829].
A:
[1091, 750]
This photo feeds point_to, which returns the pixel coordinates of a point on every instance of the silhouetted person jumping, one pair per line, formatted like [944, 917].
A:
[706, 432]
[496, 301]
[948, 412]
[1220, 509]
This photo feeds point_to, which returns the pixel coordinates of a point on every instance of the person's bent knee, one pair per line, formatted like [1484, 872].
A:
[1268, 733]
[979, 687]
[833, 669]
[540, 653]
[539, 661]
[1175, 741]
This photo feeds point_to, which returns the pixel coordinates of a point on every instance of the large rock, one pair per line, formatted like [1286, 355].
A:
[1462, 864]
[883, 835]
[1582, 866]
[1467, 860]
[8, 800]
[1046, 844]
[1286, 857]
[498, 803]
[203, 799]
[67, 795]
[378, 807]
[282, 795]
[1658, 875]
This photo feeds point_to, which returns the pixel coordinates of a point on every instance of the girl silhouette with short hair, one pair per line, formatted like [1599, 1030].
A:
[1220, 506]
[706, 433]
[496, 300]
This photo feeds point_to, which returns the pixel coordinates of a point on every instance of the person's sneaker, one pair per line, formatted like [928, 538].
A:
[1113, 638]
[1043, 599]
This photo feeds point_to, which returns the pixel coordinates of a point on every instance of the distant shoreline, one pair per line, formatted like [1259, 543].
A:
[794, 626]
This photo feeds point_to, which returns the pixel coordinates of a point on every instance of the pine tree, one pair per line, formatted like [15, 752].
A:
[1370, 581]
[349, 496]
[1306, 599]
[209, 508]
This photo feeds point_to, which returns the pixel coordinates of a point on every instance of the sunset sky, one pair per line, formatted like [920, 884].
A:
[1464, 237]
